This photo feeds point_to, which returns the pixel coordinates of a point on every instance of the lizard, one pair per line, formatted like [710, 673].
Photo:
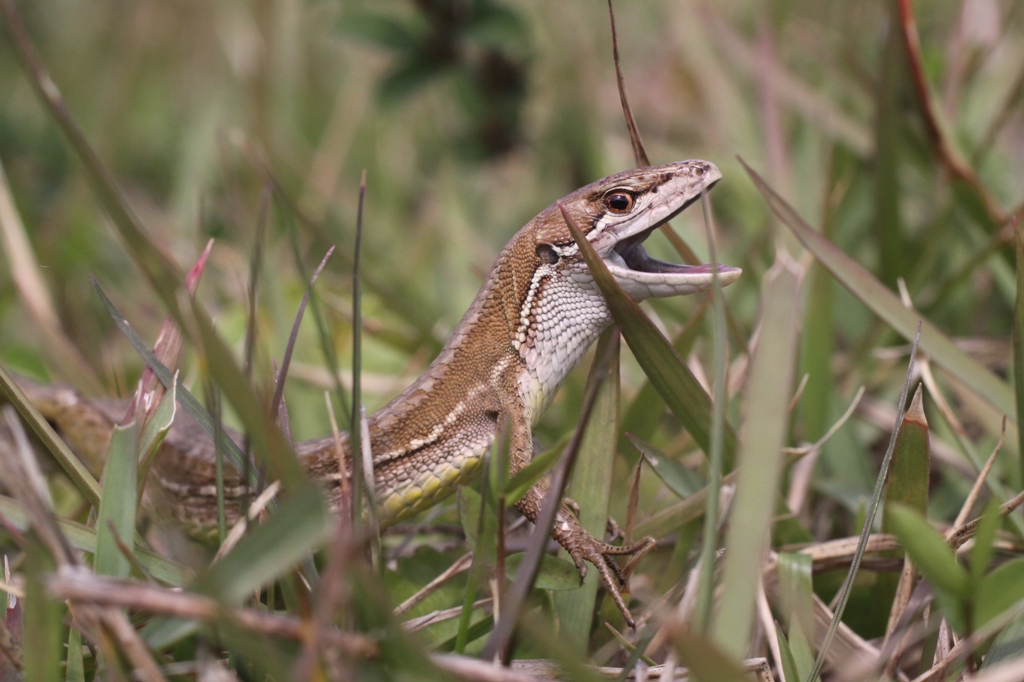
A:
[535, 316]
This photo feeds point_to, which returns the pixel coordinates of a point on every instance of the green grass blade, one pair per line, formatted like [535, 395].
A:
[591, 489]
[720, 358]
[796, 587]
[818, 344]
[155, 430]
[72, 466]
[999, 591]
[560, 575]
[276, 409]
[761, 458]
[928, 549]
[647, 410]
[908, 486]
[890, 142]
[42, 641]
[869, 520]
[664, 368]
[118, 505]
[497, 643]
[673, 518]
[788, 663]
[888, 306]
[517, 486]
[297, 527]
[1018, 345]
[323, 331]
[680, 479]
[266, 438]
[75, 671]
[355, 434]
[481, 533]
[984, 548]
[188, 401]
[908, 475]
[84, 538]
[476, 526]
[936, 560]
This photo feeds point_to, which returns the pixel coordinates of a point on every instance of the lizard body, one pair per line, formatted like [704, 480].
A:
[536, 314]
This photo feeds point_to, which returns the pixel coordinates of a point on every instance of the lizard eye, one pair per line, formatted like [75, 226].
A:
[547, 254]
[619, 201]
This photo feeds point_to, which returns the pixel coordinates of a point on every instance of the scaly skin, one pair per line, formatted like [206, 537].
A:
[535, 316]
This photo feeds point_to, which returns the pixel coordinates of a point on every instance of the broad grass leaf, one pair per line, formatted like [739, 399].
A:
[475, 631]
[75, 671]
[592, 490]
[1018, 341]
[42, 636]
[929, 551]
[1007, 645]
[761, 457]
[998, 591]
[647, 409]
[118, 504]
[909, 474]
[298, 527]
[888, 306]
[796, 586]
[909, 470]
[680, 479]
[554, 573]
[788, 663]
[84, 538]
[672, 518]
[936, 560]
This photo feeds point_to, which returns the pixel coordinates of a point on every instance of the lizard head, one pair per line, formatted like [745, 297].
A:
[616, 214]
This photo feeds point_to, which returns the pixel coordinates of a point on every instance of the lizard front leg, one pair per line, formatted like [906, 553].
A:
[567, 531]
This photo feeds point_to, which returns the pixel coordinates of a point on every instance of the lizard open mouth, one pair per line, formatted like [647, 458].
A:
[642, 276]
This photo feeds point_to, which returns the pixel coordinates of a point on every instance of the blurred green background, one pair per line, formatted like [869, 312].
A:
[470, 116]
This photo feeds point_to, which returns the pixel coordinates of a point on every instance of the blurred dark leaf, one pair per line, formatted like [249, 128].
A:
[381, 30]
[406, 78]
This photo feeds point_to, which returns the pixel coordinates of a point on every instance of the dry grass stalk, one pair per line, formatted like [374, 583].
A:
[84, 587]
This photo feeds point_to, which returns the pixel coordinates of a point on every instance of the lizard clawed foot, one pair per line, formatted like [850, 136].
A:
[588, 548]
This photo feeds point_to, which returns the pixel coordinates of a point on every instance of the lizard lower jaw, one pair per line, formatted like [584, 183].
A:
[644, 277]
